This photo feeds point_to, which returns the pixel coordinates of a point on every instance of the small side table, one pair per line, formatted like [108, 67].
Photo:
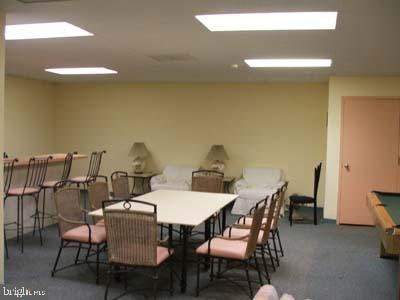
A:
[228, 180]
[144, 185]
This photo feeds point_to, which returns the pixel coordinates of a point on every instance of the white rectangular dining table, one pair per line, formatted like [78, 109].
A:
[185, 208]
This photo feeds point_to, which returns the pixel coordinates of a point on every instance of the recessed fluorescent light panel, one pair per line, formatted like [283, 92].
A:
[288, 63]
[44, 31]
[81, 71]
[270, 21]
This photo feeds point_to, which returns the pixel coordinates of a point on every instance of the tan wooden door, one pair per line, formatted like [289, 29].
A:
[369, 154]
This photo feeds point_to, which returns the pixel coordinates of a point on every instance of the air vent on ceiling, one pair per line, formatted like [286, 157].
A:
[38, 1]
[171, 57]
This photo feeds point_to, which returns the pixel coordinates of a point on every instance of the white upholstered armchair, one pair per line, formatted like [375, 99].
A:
[256, 184]
[173, 178]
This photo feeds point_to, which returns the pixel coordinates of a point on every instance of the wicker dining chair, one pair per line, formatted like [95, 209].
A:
[93, 171]
[120, 184]
[97, 193]
[73, 230]
[7, 176]
[35, 176]
[49, 184]
[132, 241]
[209, 181]
[241, 249]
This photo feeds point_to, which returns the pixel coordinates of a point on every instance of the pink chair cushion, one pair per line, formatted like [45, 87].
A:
[237, 232]
[81, 234]
[49, 184]
[224, 248]
[163, 254]
[20, 191]
[79, 179]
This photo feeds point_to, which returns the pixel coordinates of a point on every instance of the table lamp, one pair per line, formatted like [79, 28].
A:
[217, 155]
[139, 152]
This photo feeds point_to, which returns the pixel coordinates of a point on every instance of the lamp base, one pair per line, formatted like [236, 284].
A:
[138, 165]
[218, 166]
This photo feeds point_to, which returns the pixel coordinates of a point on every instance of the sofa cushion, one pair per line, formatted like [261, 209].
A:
[262, 177]
[175, 186]
[178, 173]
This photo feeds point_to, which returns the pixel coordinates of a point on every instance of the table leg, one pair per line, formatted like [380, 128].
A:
[223, 225]
[133, 186]
[170, 241]
[207, 236]
[184, 259]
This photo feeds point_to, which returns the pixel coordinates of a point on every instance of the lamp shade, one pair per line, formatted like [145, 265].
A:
[217, 152]
[139, 150]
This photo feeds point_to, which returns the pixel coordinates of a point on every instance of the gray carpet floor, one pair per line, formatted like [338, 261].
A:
[320, 262]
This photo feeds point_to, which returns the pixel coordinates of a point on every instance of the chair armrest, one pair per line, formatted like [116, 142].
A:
[225, 238]
[240, 184]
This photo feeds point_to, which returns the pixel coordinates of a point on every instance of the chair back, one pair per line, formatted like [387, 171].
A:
[8, 173]
[255, 228]
[68, 206]
[94, 164]
[97, 193]
[267, 224]
[207, 181]
[67, 166]
[317, 174]
[131, 234]
[280, 202]
[36, 171]
[120, 184]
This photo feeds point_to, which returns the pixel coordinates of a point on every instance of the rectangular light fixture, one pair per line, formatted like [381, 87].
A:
[288, 63]
[270, 21]
[81, 71]
[44, 31]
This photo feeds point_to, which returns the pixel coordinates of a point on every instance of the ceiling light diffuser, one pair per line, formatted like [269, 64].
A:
[44, 31]
[270, 21]
[288, 63]
[80, 71]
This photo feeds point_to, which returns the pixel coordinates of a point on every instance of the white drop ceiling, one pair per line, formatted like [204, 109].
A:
[129, 34]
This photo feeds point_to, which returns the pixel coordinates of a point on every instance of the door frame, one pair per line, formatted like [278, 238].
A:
[342, 103]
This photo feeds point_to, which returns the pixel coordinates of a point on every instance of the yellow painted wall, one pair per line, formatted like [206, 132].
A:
[339, 87]
[29, 116]
[2, 51]
[276, 125]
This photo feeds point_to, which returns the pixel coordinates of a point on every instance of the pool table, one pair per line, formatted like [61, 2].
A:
[385, 208]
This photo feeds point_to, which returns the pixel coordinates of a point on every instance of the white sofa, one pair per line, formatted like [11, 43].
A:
[256, 184]
[174, 177]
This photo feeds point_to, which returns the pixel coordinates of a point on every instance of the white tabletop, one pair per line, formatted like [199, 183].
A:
[179, 207]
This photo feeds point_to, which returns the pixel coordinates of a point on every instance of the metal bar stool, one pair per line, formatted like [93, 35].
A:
[93, 172]
[49, 184]
[36, 173]
[8, 173]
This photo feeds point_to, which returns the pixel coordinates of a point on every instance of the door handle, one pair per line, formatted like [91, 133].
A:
[347, 166]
